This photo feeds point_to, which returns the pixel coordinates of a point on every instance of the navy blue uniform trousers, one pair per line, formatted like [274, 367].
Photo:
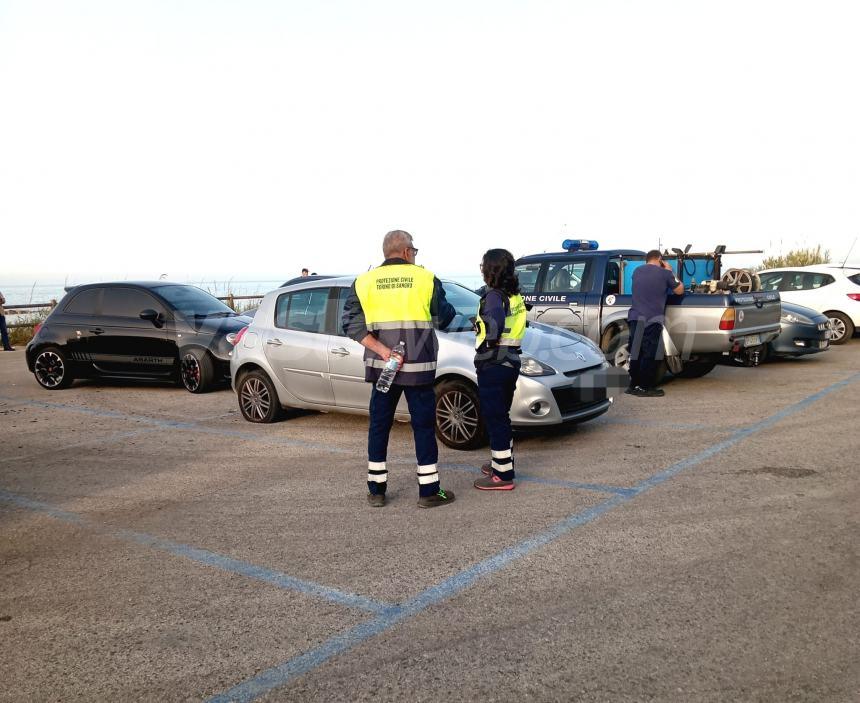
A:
[644, 346]
[496, 385]
[422, 409]
[4, 334]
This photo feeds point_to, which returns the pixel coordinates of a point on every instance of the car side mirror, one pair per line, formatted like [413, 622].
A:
[156, 318]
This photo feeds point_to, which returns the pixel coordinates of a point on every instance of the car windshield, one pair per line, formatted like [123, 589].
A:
[465, 302]
[191, 302]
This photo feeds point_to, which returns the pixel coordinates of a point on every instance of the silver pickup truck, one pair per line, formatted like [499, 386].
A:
[589, 292]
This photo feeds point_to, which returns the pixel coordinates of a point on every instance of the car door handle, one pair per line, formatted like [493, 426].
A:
[97, 330]
[340, 351]
[274, 342]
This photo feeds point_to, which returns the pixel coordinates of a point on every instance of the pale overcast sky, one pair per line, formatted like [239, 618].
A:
[249, 139]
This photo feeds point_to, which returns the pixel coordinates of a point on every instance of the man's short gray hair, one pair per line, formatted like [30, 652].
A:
[395, 242]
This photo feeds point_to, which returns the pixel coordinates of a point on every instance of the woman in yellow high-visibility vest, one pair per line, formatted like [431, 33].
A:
[501, 326]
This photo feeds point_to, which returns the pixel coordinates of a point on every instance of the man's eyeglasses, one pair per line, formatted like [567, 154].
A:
[413, 250]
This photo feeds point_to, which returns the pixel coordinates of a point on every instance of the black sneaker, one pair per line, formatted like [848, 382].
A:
[631, 390]
[376, 500]
[641, 392]
[441, 498]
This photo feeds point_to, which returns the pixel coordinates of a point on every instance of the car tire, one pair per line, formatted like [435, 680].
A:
[258, 398]
[196, 370]
[618, 354]
[51, 369]
[697, 369]
[840, 324]
[459, 424]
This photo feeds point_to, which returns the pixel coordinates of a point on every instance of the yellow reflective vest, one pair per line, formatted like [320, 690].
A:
[515, 324]
[396, 301]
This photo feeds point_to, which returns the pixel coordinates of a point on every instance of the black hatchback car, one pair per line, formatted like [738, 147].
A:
[149, 331]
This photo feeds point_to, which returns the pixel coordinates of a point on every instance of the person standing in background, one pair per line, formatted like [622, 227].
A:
[4, 332]
[652, 284]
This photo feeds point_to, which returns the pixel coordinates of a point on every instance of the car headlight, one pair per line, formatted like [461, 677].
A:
[791, 318]
[532, 367]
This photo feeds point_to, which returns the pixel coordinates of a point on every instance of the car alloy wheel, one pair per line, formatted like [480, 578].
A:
[190, 372]
[255, 399]
[457, 417]
[837, 330]
[50, 369]
[621, 358]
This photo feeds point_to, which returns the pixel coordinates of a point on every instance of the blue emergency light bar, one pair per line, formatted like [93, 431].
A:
[579, 245]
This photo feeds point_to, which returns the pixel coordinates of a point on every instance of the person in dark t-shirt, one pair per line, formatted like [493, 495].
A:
[652, 284]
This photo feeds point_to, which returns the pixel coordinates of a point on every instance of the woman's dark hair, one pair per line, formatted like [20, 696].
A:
[498, 269]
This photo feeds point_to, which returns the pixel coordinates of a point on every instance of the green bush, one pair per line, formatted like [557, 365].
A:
[22, 335]
[797, 257]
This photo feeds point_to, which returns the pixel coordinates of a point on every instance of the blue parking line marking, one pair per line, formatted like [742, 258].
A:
[181, 425]
[252, 571]
[205, 557]
[85, 443]
[239, 434]
[561, 483]
[37, 506]
[741, 434]
[282, 674]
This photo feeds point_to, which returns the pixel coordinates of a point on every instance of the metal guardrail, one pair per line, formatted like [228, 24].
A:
[23, 309]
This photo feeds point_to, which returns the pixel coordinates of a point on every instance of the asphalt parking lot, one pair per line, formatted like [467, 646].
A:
[698, 547]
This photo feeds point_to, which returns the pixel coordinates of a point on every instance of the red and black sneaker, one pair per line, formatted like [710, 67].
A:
[493, 483]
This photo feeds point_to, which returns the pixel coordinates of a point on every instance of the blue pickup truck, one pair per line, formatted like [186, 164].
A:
[588, 290]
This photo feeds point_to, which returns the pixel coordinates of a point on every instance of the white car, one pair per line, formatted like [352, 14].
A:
[294, 354]
[826, 288]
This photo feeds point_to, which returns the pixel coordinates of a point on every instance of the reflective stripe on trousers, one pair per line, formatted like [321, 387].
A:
[422, 411]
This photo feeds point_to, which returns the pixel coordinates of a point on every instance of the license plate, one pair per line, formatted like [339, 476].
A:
[824, 344]
[752, 341]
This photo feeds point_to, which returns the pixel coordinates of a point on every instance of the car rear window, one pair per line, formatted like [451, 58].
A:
[304, 310]
[84, 303]
[798, 280]
[818, 280]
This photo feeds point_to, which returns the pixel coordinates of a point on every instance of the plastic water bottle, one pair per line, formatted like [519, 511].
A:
[392, 366]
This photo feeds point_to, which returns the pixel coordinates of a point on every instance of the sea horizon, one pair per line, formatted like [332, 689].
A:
[37, 291]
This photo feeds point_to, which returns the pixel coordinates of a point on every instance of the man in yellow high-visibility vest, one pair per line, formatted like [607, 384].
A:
[400, 302]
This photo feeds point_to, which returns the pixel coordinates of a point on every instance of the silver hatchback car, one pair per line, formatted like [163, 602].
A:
[294, 355]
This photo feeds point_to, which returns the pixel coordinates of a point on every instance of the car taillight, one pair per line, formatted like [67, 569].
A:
[854, 296]
[727, 321]
[37, 327]
[234, 339]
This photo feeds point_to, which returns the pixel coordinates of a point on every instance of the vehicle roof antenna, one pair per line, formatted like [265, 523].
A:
[845, 261]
